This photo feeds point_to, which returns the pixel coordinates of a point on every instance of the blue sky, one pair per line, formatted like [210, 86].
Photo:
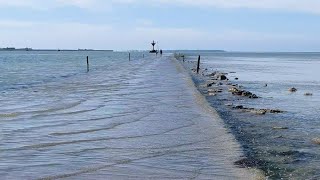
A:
[236, 25]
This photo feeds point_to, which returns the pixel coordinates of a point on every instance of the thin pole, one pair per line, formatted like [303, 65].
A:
[87, 63]
[198, 67]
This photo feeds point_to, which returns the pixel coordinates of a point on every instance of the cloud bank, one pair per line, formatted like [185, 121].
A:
[304, 6]
[307, 6]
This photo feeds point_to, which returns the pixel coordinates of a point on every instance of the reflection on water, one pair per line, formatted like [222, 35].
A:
[136, 120]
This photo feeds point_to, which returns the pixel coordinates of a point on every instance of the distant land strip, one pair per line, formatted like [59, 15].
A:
[30, 49]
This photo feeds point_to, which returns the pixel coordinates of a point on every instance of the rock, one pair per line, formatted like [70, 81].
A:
[253, 96]
[249, 163]
[308, 94]
[236, 78]
[246, 93]
[222, 77]
[260, 111]
[316, 141]
[279, 128]
[278, 137]
[238, 92]
[266, 85]
[275, 111]
[210, 84]
[238, 107]
[233, 89]
[293, 89]
[229, 104]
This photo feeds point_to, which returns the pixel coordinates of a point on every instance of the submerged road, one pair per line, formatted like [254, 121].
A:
[154, 124]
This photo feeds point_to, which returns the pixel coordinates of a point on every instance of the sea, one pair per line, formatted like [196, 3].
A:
[150, 118]
[284, 145]
[141, 118]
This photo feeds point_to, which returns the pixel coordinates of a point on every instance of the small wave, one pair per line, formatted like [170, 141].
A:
[119, 162]
[87, 170]
[10, 115]
[111, 126]
[114, 125]
[27, 85]
[40, 127]
[49, 110]
[45, 145]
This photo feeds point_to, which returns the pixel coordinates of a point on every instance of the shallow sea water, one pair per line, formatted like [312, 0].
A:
[141, 119]
[282, 153]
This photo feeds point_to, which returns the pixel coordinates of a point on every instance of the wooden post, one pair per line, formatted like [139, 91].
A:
[87, 63]
[198, 67]
[129, 56]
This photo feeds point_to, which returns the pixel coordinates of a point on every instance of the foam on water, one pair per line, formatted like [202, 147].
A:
[141, 119]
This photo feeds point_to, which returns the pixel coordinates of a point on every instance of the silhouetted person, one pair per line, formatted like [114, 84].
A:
[161, 52]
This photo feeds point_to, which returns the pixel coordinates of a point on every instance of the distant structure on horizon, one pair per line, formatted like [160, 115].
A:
[30, 49]
[14, 49]
[153, 50]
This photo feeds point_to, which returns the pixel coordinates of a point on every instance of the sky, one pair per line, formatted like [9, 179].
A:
[232, 25]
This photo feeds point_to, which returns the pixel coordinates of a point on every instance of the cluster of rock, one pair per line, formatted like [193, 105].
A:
[218, 79]
[244, 93]
[218, 76]
[215, 86]
[293, 89]
[258, 111]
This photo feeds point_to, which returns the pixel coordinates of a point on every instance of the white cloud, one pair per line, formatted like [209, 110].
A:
[31, 4]
[309, 6]
[306, 6]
